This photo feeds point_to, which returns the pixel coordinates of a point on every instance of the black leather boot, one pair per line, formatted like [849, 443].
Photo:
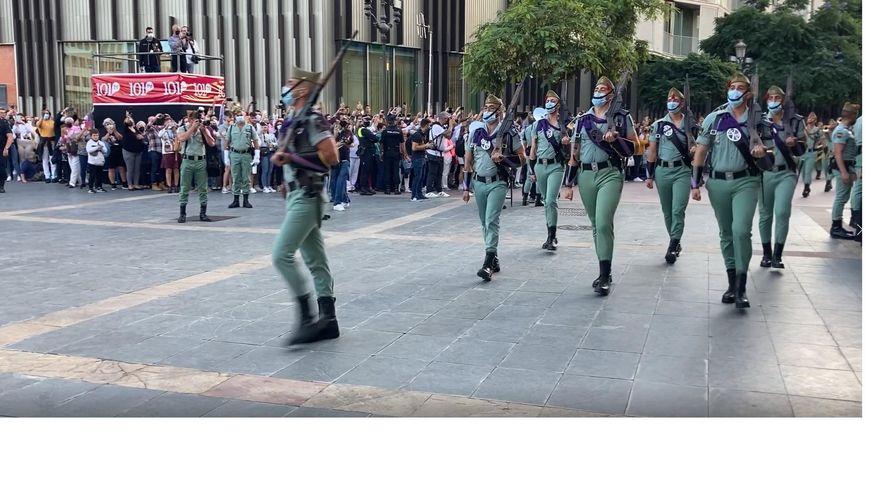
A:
[525, 201]
[777, 256]
[673, 251]
[767, 259]
[852, 218]
[246, 203]
[538, 201]
[234, 203]
[838, 232]
[806, 190]
[827, 185]
[485, 272]
[551, 242]
[310, 328]
[182, 217]
[327, 313]
[742, 301]
[856, 223]
[603, 283]
[495, 266]
[729, 296]
[203, 215]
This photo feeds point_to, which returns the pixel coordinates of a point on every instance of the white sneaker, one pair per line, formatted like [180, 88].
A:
[18, 178]
[638, 179]
[346, 204]
[430, 195]
[272, 190]
[339, 207]
[416, 200]
[253, 190]
[225, 191]
[8, 178]
[443, 194]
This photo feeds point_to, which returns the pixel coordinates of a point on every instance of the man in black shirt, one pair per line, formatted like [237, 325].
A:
[339, 175]
[146, 47]
[367, 151]
[420, 143]
[6, 139]
[392, 152]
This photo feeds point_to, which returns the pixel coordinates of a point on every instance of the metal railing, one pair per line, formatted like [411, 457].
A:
[134, 57]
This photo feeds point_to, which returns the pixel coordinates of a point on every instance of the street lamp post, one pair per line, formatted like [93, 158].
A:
[744, 63]
[384, 24]
[426, 32]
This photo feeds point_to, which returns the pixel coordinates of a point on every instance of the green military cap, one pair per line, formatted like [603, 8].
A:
[775, 90]
[604, 81]
[304, 75]
[552, 93]
[739, 77]
[494, 100]
[675, 92]
[851, 108]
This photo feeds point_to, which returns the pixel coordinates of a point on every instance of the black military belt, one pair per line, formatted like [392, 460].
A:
[595, 166]
[488, 180]
[859, 149]
[676, 163]
[193, 158]
[731, 175]
[241, 151]
[547, 161]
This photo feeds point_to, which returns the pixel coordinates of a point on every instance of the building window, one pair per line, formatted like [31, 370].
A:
[79, 65]
[376, 64]
[4, 94]
[681, 31]
[456, 85]
[354, 76]
[405, 78]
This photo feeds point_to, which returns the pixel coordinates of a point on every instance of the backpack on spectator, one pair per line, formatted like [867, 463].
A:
[459, 145]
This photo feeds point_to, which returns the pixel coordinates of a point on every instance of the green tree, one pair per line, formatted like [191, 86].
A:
[707, 76]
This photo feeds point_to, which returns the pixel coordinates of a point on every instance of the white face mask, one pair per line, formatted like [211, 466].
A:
[149, 36]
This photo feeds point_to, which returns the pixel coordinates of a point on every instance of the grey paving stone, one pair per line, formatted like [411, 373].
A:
[811, 356]
[247, 409]
[174, 405]
[853, 356]
[554, 335]
[437, 326]
[614, 320]
[314, 412]
[384, 372]
[421, 305]
[206, 328]
[746, 376]
[104, 344]
[532, 299]
[788, 314]
[673, 370]
[211, 356]
[851, 317]
[254, 333]
[651, 399]
[420, 347]
[680, 308]
[812, 407]
[523, 386]
[666, 344]
[450, 378]
[822, 384]
[758, 349]
[40, 399]
[604, 364]
[847, 337]
[320, 366]
[676, 325]
[262, 361]
[357, 341]
[49, 342]
[615, 340]
[544, 285]
[152, 350]
[600, 395]
[475, 352]
[803, 334]
[105, 401]
[499, 330]
[11, 381]
[539, 357]
[737, 404]
[393, 321]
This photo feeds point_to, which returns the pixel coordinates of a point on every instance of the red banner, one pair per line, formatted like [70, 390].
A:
[158, 88]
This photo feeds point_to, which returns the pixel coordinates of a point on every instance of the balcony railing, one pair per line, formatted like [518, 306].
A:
[680, 46]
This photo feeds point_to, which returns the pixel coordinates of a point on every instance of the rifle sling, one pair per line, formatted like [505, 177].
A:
[682, 149]
[783, 148]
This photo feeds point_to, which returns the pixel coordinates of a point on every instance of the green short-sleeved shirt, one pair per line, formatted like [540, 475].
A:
[589, 152]
[813, 137]
[725, 155]
[483, 164]
[857, 131]
[661, 133]
[545, 149]
[316, 135]
[843, 135]
[195, 145]
[767, 138]
[240, 138]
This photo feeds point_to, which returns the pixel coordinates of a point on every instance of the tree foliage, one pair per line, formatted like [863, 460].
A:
[707, 76]
[554, 39]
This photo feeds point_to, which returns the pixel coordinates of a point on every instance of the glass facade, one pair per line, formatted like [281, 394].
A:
[365, 76]
[79, 65]
[377, 83]
[405, 78]
[354, 80]
[456, 83]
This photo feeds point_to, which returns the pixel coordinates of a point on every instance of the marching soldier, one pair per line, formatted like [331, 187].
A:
[828, 165]
[815, 139]
[241, 138]
[547, 143]
[856, 214]
[599, 174]
[490, 184]
[778, 184]
[530, 186]
[844, 166]
[305, 171]
[193, 137]
[668, 159]
[733, 183]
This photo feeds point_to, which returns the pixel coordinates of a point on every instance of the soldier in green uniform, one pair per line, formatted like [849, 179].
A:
[856, 217]
[815, 139]
[547, 143]
[777, 185]
[305, 170]
[193, 136]
[599, 174]
[241, 138]
[733, 185]
[530, 186]
[490, 185]
[844, 168]
[671, 169]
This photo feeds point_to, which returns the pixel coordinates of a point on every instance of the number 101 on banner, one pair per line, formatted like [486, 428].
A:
[174, 87]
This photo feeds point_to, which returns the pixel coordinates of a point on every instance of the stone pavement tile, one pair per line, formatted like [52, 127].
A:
[752, 349]
[822, 384]
[523, 386]
[689, 309]
[264, 361]
[317, 412]
[787, 314]
[266, 389]
[421, 305]
[851, 317]
[421, 347]
[392, 321]
[811, 356]
[320, 366]
[554, 335]
[624, 305]
[614, 320]
[437, 326]
[248, 409]
[473, 310]
[728, 312]
[666, 344]
[514, 312]
[853, 355]
[259, 332]
[105, 402]
[776, 299]
[598, 395]
[535, 299]
[462, 407]
[351, 317]
[549, 285]
[357, 341]
[499, 330]
[249, 311]
[725, 403]
[581, 317]
[41, 398]
[539, 357]
[206, 328]
[17, 332]
[847, 337]
[174, 405]
[152, 350]
[673, 370]
[812, 407]
[159, 324]
[802, 334]
[604, 364]
[671, 293]
[14, 381]
[603, 339]
[649, 399]
[564, 412]
[450, 378]
[745, 375]
[104, 343]
[379, 401]
[50, 341]
[676, 325]
[212, 356]
[475, 352]
[722, 329]
[384, 372]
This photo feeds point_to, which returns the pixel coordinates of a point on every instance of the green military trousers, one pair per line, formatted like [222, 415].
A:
[241, 169]
[188, 170]
[600, 194]
[527, 184]
[734, 202]
[857, 187]
[549, 179]
[674, 187]
[842, 193]
[777, 190]
[490, 201]
[808, 167]
[301, 230]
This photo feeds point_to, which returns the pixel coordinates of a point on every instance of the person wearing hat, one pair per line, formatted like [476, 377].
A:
[241, 138]
[599, 175]
[778, 184]
[844, 170]
[733, 184]
[193, 136]
[314, 153]
[814, 139]
[530, 184]
[547, 142]
[669, 165]
[490, 182]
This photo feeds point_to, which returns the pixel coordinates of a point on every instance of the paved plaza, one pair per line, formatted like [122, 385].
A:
[111, 308]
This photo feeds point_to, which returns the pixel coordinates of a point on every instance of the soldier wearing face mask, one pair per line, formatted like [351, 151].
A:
[547, 143]
[149, 49]
[846, 166]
